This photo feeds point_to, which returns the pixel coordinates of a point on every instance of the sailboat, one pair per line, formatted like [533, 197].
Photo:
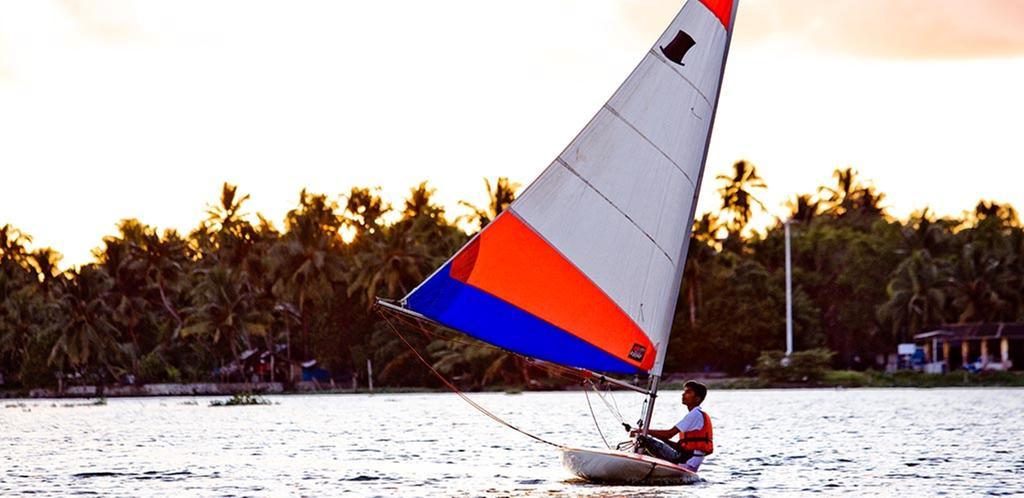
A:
[583, 270]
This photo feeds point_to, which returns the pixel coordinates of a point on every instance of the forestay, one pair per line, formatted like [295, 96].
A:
[584, 268]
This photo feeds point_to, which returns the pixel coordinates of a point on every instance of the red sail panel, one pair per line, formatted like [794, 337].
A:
[511, 262]
[722, 10]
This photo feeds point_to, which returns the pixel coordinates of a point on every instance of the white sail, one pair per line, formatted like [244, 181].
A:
[593, 250]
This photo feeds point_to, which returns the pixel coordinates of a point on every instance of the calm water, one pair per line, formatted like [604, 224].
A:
[884, 442]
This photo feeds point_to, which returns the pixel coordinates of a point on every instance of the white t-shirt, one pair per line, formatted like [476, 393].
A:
[692, 421]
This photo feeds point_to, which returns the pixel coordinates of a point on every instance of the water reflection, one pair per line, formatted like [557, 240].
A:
[857, 442]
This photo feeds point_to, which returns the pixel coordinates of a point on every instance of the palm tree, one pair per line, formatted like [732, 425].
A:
[1004, 214]
[851, 197]
[924, 232]
[420, 203]
[306, 260]
[45, 261]
[26, 316]
[425, 221]
[482, 363]
[703, 243]
[839, 200]
[396, 362]
[500, 197]
[225, 312]
[397, 256]
[391, 264]
[706, 228]
[130, 311]
[227, 214]
[983, 286]
[804, 208]
[225, 234]
[737, 192]
[86, 340]
[22, 306]
[364, 210]
[164, 261]
[869, 203]
[916, 296]
[12, 244]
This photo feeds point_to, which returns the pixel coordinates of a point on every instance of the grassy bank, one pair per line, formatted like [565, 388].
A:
[829, 378]
[849, 378]
[243, 389]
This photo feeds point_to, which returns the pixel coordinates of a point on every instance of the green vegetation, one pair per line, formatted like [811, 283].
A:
[95, 402]
[242, 399]
[802, 366]
[916, 379]
[847, 378]
[170, 307]
[863, 281]
[872, 378]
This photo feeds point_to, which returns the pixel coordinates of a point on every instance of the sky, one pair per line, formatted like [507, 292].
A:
[112, 109]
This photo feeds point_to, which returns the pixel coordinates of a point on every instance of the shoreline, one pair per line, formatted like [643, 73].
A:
[838, 379]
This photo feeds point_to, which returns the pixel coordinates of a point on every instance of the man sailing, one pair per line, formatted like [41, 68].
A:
[694, 430]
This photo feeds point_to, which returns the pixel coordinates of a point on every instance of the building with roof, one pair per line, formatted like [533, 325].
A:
[974, 346]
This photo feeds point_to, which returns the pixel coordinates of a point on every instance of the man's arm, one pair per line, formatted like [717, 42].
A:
[660, 434]
[664, 433]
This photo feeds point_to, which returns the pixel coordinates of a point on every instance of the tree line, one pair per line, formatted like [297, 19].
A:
[161, 306]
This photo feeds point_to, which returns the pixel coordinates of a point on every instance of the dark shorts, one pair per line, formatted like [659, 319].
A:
[665, 450]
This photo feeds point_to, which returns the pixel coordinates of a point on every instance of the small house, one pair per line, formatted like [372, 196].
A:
[974, 346]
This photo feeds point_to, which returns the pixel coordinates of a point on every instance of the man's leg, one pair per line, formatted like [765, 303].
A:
[683, 455]
[658, 448]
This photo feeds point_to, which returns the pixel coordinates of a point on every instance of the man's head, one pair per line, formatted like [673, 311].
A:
[694, 393]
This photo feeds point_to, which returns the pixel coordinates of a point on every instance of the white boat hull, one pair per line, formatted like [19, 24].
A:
[611, 466]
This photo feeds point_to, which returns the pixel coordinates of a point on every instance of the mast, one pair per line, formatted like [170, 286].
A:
[660, 361]
[649, 406]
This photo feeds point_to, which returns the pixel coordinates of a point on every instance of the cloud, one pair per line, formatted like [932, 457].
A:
[6, 71]
[111, 20]
[895, 29]
[42, 34]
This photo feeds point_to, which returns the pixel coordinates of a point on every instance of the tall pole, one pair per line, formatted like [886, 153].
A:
[649, 408]
[789, 295]
[369, 373]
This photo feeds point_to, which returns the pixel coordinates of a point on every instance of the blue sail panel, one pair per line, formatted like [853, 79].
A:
[492, 320]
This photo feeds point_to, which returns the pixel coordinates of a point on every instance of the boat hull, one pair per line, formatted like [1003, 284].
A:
[609, 466]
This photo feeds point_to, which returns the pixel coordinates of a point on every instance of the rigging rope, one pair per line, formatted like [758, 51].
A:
[612, 396]
[460, 393]
[597, 425]
[614, 411]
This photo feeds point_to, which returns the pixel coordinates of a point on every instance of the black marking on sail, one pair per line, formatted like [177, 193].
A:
[638, 352]
[676, 50]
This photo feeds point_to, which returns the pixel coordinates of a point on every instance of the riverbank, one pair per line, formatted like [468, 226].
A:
[853, 379]
[831, 379]
[214, 389]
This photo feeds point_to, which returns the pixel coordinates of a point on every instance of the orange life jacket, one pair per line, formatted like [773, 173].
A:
[700, 439]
